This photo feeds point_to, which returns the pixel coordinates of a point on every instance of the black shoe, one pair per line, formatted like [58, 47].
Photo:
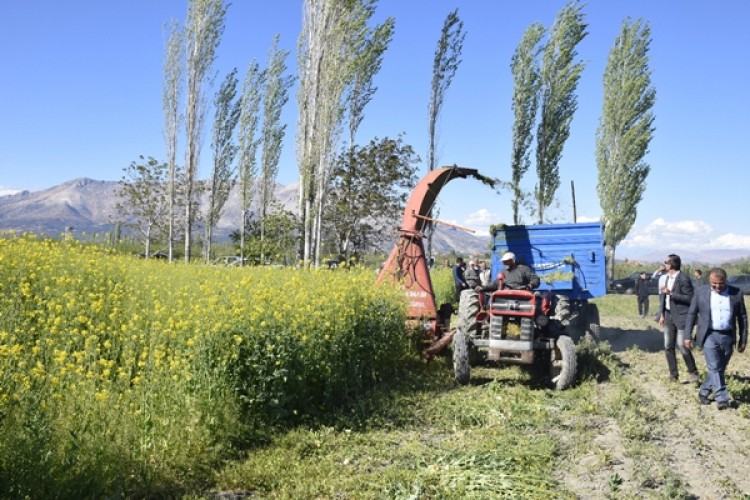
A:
[703, 399]
[722, 405]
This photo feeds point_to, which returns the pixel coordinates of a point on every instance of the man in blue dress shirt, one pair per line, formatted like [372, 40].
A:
[722, 317]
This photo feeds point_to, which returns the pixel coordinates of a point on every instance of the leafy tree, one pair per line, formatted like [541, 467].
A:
[363, 198]
[143, 195]
[171, 91]
[205, 25]
[248, 143]
[559, 80]
[446, 62]
[280, 237]
[227, 114]
[275, 96]
[624, 133]
[526, 84]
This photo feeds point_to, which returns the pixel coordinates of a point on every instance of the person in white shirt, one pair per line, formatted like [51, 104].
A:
[678, 292]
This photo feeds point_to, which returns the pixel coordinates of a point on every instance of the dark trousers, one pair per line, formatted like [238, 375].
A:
[717, 350]
[672, 336]
[643, 306]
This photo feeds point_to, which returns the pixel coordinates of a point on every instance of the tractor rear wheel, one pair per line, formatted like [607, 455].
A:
[563, 363]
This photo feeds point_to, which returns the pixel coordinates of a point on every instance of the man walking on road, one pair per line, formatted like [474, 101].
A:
[721, 312]
[641, 292]
[678, 292]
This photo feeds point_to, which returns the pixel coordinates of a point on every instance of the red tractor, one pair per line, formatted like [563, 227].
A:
[510, 326]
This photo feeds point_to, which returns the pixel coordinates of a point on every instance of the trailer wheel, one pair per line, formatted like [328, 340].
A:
[592, 322]
[563, 363]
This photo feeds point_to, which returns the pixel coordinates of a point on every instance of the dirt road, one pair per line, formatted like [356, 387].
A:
[648, 437]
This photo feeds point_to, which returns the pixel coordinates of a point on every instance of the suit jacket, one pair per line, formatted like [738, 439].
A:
[680, 299]
[701, 306]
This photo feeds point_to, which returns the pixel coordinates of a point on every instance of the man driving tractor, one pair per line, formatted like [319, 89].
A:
[515, 277]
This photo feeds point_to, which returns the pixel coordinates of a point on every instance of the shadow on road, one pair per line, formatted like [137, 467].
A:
[649, 340]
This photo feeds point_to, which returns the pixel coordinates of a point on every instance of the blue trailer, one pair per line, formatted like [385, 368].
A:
[568, 258]
[540, 326]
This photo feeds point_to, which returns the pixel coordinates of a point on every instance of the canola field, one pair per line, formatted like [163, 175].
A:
[124, 376]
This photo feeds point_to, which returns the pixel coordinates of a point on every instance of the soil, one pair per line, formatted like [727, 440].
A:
[687, 450]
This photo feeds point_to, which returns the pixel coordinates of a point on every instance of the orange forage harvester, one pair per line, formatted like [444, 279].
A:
[407, 263]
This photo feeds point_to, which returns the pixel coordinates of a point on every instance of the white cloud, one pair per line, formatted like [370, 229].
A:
[481, 220]
[4, 191]
[730, 241]
[693, 234]
[583, 218]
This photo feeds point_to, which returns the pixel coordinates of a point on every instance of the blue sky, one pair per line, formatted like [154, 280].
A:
[80, 95]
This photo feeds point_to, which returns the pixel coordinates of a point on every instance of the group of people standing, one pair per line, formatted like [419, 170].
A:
[469, 277]
[717, 313]
[477, 277]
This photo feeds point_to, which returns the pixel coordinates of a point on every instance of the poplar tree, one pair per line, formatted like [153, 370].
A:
[559, 79]
[223, 175]
[526, 84]
[275, 96]
[171, 91]
[624, 133]
[248, 143]
[370, 46]
[327, 52]
[444, 67]
[205, 25]
[446, 62]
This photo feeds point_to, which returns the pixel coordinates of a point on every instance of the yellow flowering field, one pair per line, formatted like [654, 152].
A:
[119, 375]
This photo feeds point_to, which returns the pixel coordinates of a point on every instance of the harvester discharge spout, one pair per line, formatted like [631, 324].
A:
[407, 263]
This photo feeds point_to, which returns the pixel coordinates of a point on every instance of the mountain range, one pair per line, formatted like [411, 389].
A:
[86, 207]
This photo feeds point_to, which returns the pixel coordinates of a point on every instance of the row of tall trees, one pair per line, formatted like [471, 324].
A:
[236, 138]
[546, 73]
[338, 55]
[340, 51]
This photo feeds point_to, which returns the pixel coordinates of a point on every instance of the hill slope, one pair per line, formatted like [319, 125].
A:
[89, 206]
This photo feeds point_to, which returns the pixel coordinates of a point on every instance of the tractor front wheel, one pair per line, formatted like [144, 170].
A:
[468, 309]
[563, 363]
[461, 365]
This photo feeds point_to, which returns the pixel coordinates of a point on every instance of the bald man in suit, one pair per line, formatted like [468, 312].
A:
[722, 323]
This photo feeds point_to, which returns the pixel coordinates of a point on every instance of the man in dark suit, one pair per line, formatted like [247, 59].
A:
[721, 313]
[678, 292]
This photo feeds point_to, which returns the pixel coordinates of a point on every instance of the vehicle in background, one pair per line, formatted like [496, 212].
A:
[229, 260]
[741, 281]
[626, 285]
